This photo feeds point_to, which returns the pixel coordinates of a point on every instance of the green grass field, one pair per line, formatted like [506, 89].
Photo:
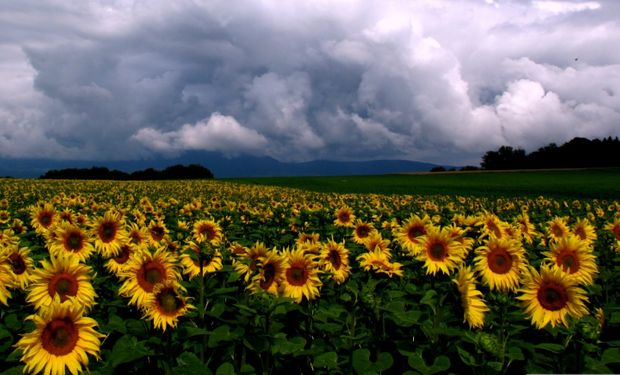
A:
[585, 183]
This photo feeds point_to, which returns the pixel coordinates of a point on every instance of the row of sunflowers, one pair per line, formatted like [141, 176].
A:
[179, 277]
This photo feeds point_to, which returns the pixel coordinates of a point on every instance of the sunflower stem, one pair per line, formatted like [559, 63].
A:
[202, 306]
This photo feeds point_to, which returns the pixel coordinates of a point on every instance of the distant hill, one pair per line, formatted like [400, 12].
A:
[222, 167]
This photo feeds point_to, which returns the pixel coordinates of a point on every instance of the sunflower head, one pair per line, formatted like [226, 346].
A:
[473, 304]
[301, 276]
[549, 297]
[440, 252]
[575, 258]
[207, 231]
[61, 340]
[501, 262]
[335, 260]
[166, 304]
[362, 231]
[43, 217]
[344, 217]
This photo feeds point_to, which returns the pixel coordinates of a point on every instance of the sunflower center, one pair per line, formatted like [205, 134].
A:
[269, 274]
[168, 301]
[552, 296]
[296, 275]
[568, 261]
[581, 233]
[45, 219]
[437, 251]
[616, 231]
[124, 255]
[17, 263]
[415, 232]
[344, 217]
[499, 261]
[334, 259]
[363, 231]
[59, 336]
[63, 284]
[107, 232]
[557, 231]
[135, 238]
[74, 241]
[157, 233]
[152, 273]
[208, 232]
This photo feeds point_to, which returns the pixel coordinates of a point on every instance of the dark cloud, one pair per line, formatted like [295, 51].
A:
[439, 81]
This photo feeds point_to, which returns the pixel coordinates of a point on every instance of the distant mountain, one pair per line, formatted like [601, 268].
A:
[222, 167]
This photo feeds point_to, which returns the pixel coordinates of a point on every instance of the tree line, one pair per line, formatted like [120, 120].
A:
[576, 153]
[175, 172]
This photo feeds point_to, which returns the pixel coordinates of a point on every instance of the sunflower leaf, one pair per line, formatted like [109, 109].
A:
[128, 349]
[328, 360]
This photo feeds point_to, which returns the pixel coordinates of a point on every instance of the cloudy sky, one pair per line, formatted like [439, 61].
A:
[429, 80]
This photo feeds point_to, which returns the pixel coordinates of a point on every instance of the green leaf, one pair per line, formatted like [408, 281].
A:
[405, 318]
[196, 331]
[555, 348]
[611, 355]
[466, 357]
[225, 369]
[19, 370]
[363, 365]
[6, 339]
[190, 364]
[441, 363]
[12, 322]
[128, 349]
[217, 310]
[283, 345]
[614, 318]
[328, 360]
[115, 323]
[430, 298]
[223, 333]
[515, 354]
[497, 366]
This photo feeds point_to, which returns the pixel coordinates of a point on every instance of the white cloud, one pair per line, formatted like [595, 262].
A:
[218, 133]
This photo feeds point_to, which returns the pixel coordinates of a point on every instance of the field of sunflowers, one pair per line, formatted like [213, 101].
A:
[200, 277]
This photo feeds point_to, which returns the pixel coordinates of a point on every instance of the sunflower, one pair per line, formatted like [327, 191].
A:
[501, 262]
[549, 296]
[557, 228]
[71, 240]
[307, 239]
[473, 304]
[43, 217]
[143, 272]
[138, 236]
[245, 264]
[614, 228]
[440, 252]
[62, 277]
[110, 233]
[458, 234]
[166, 304]
[410, 233]
[157, 231]
[8, 238]
[21, 266]
[335, 260]
[379, 262]
[376, 241]
[362, 231]
[344, 217]
[575, 258]
[527, 229]
[61, 340]
[5, 280]
[492, 225]
[207, 231]
[190, 260]
[270, 273]
[118, 263]
[585, 231]
[301, 276]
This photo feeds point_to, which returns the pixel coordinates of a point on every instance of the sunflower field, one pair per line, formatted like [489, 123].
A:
[209, 277]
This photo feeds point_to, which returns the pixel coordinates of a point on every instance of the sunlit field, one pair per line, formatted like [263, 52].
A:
[184, 277]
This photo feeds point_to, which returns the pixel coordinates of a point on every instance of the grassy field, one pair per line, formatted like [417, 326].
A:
[584, 183]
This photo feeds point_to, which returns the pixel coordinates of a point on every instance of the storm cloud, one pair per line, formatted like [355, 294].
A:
[438, 81]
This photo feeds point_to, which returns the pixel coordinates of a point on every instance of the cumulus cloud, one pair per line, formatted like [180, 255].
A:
[217, 133]
[439, 81]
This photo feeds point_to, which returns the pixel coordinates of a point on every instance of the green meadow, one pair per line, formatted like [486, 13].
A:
[603, 183]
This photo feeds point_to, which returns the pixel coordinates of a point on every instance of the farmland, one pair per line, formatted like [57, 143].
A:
[468, 273]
